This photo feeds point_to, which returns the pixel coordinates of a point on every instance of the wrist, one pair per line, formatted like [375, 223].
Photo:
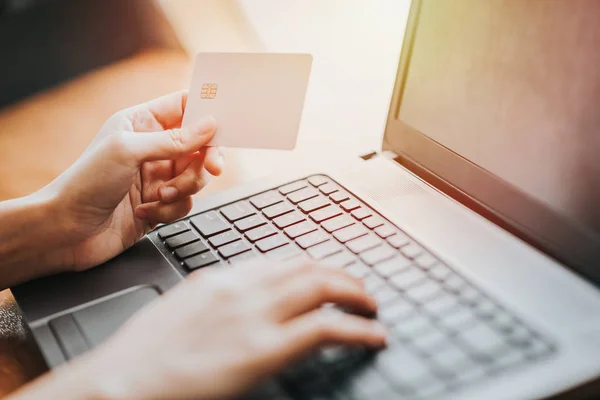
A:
[105, 375]
[85, 378]
[55, 229]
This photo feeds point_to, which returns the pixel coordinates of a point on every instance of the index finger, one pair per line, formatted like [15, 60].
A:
[165, 112]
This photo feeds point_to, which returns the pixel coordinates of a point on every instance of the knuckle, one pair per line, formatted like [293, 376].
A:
[323, 288]
[196, 184]
[323, 328]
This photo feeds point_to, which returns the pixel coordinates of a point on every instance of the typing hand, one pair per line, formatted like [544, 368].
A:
[222, 331]
[140, 170]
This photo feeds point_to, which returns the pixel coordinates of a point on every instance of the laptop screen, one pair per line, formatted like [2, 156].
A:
[514, 87]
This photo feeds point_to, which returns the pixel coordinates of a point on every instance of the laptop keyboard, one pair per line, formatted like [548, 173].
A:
[444, 332]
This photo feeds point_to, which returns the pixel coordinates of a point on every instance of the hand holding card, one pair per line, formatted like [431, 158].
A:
[256, 98]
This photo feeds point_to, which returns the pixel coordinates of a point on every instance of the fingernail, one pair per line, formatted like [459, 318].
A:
[168, 193]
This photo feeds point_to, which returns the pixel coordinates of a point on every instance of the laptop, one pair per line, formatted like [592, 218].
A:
[476, 227]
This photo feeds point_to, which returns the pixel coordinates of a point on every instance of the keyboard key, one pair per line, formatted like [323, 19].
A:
[340, 259]
[432, 389]
[318, 180]
[358, 270]
[350, 232]
[520, 336]
[441, 304]
[172, 230]
[277, 210]
[366, 383]
[373, 222]
[236, 211]
[469, 295]
[385, 231]
[248, 255]
[235, 248]
[454, 284]
[260, 233]
[312, 239]
[393, 266]
[323, 250]
[486, 309]
[440, 272]
[504, 321]
[372, 282]
[302, 195]
[412, 250]
[407, 278]
[482, 339]
[430, 341]
[385, 295]
[350, 205]
[288, 219]
[271, 243]
[266, 199]
[395, 311]
[292, 187]
[537, 349]
[224, 238]
[249, 223]
[361, 213]
[401, 365]
[324, 214]
[209, 224]
[284, 253]
[339, 196]
[414, 326]
[191, 250]
[378, 254]
[470, 374]
[398, 240]
[363, 243]
[300, 229]
[313, 204]
[426, 261]
[507, 358]
[181, 240]
[328, 188]
[458, 318]
[338, 222]
[451, 357]
[423, 292]
[200, 260]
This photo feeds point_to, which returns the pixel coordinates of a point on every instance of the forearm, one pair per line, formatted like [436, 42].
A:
[30, 239]
[104, 373]
[74, 381]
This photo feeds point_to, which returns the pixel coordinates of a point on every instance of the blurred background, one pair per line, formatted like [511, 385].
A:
[67, 65]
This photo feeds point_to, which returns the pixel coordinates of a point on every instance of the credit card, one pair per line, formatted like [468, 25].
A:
[256, 98]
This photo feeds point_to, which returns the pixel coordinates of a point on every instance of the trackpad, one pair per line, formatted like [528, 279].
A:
[100, 320]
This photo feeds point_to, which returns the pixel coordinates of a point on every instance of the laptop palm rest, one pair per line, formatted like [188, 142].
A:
[89, 326]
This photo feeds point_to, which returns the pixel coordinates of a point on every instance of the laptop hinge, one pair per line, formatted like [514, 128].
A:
[387, 154]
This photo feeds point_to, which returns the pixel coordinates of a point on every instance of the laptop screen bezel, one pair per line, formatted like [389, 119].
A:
[479, 189]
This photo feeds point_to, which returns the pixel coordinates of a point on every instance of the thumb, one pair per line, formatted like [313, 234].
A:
[171, 143]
